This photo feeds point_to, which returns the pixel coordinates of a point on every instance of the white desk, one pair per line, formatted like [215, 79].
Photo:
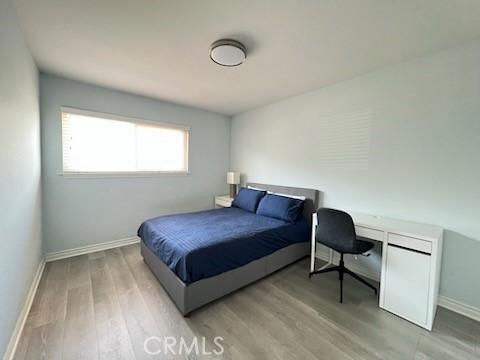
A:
[411, 261]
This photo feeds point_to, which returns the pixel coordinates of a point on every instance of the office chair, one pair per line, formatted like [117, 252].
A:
[335, 230]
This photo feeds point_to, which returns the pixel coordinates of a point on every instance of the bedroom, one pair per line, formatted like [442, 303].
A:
[370, 107]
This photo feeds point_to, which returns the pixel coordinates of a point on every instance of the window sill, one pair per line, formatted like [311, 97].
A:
[111, 175]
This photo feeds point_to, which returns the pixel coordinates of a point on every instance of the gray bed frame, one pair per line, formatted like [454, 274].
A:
[190, 297]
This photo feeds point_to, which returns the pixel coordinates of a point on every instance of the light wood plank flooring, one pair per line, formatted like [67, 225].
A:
[104, 305]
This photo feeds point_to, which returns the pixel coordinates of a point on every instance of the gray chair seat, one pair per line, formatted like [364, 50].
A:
[361, 246]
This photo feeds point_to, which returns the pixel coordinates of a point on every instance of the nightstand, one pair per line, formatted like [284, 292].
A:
[223, 201]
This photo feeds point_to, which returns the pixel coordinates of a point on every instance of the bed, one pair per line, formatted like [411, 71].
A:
[202, 256]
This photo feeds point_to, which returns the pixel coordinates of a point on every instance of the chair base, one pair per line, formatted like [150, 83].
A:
[341, 269]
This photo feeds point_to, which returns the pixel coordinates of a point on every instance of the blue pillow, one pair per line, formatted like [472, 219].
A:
[248, 199]
[280, 207]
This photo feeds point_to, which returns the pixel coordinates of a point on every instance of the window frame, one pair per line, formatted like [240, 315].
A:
[115, 174]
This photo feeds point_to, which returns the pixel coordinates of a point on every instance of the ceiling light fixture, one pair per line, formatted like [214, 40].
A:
[227, 52]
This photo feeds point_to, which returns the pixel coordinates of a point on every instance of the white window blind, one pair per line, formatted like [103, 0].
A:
[104, 143]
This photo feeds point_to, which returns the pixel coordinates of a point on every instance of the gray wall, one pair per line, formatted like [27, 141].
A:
[79, 212]
[402, 142]
[20, 198]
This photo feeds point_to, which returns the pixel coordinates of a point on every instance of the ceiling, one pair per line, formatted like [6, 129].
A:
[159, 48]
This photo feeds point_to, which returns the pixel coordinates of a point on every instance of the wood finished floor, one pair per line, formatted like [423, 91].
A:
[104, 305]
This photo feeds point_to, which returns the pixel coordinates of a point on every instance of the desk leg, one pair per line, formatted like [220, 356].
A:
[312, 255]
[313, 248]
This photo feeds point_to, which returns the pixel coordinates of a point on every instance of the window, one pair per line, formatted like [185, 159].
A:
[108, 144]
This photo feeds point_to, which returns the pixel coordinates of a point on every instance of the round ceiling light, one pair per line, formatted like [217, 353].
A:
[227, 52]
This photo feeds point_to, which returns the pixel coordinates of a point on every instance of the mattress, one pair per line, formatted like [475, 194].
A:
[207, 243]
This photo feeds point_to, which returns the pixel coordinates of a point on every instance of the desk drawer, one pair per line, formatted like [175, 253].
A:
[369, 233]
[410, 243]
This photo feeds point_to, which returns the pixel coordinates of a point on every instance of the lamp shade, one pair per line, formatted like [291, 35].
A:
[233, 178]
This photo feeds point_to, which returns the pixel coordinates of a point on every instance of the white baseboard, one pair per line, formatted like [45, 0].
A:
[459, 307]
[22, 318]
[443, 301]
[57, 255]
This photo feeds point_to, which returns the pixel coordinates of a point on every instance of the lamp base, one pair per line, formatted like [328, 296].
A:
[233, 190]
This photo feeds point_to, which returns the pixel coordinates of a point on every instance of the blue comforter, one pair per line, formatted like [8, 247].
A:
[207, 243]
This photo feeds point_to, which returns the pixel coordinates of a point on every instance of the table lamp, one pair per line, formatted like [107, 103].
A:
[233, 179]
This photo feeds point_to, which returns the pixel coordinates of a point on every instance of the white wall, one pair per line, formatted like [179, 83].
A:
[402, 142]
[79, 212]
[20, 184]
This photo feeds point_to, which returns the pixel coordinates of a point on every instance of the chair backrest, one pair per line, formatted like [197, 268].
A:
[335, 227]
